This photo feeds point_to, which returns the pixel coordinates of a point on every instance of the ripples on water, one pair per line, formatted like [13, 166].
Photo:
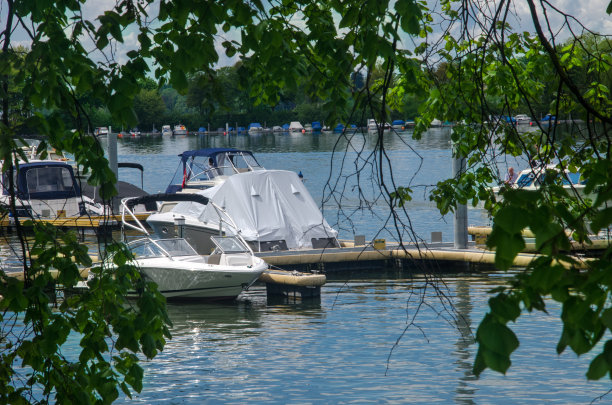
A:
[339, 350]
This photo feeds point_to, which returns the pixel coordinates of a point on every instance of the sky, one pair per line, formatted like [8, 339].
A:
[590, 12]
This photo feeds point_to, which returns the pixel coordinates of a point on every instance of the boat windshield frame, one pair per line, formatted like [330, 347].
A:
[224, 164]
[229, 244]
[145, 248]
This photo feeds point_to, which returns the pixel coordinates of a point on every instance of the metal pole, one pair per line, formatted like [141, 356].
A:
[460, 217]
[112, 152]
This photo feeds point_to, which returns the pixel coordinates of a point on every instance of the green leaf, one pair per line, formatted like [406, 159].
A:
[598, 368]
[496, 343]
[505, 307]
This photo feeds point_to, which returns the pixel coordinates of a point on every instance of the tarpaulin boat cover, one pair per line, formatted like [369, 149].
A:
[266, 205]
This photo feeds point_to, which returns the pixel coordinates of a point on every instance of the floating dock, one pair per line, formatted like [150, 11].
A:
[442, 255]
[103, 223]
[287, 283]
[598, 243]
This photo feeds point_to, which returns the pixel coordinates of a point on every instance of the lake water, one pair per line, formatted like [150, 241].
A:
[367, 339]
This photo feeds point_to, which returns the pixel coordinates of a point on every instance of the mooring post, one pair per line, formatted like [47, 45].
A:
[460, 220]
[112, 152]
[112, 164]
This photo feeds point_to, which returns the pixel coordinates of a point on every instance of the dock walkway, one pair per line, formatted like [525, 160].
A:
[441, 255]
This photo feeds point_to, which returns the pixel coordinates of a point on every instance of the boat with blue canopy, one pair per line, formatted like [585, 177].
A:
[203, 168]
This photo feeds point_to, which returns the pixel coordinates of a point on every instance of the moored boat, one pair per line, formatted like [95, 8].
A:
[203, 168]
[272, 208]
[295, 126]
[166, 130]
[180, 129]
[48, 189]
[179, 271]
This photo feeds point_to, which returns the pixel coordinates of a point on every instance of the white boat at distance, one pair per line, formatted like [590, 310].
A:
[295, 126]
[180, 129]
[522, 119]
[532, 178]
[373, 126]
[178, 270]
[166, 130]
[272, 208]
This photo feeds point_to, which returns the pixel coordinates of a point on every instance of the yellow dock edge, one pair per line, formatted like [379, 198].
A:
[293, 278]
[78, 222]
[596, 244]
[485, 257]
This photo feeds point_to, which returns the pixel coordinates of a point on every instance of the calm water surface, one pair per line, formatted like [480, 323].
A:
[361, 342]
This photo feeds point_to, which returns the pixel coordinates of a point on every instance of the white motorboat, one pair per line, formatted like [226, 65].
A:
[532, 178]
[272, 208]
[178, 270]
[166, 130]
[295, 126]
[180, 129]
[100, 131]
[523, 119]
[48, 189]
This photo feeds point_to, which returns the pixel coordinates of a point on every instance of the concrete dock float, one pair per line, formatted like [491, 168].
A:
[443, 255]
[480, 234]
[282, 282]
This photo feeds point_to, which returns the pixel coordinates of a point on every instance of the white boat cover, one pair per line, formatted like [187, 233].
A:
[266, 205]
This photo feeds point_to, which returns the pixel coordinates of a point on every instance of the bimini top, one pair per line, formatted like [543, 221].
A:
[48, 180]
[203, 168]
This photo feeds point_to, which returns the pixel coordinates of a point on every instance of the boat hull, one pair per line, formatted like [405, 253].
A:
[176, 279]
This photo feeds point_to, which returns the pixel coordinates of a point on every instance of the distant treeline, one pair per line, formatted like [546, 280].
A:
[198, 107]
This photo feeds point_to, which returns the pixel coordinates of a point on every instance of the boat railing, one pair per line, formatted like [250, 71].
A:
[129, 219]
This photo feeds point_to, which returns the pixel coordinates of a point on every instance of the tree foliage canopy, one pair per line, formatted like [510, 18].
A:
[482, 66]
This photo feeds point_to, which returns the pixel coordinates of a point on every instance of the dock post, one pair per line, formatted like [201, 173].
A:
[112, 153]
[113, 165]
[460, 217]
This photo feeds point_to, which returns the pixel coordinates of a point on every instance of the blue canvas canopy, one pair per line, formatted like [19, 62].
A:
[398, 122]
[316, 126]
[47, 180]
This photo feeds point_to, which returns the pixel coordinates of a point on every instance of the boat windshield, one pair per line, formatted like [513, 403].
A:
[229, 244]
[524, 180]
[161, 247]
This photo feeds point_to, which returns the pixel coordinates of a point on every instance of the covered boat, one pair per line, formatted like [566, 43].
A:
[272, 208]
[295, 126]
[255, 127]
[398, 125]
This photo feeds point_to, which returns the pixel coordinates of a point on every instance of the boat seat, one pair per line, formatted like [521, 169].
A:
[214, 259]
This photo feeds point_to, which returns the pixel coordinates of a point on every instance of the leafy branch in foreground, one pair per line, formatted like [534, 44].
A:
[505, 72]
